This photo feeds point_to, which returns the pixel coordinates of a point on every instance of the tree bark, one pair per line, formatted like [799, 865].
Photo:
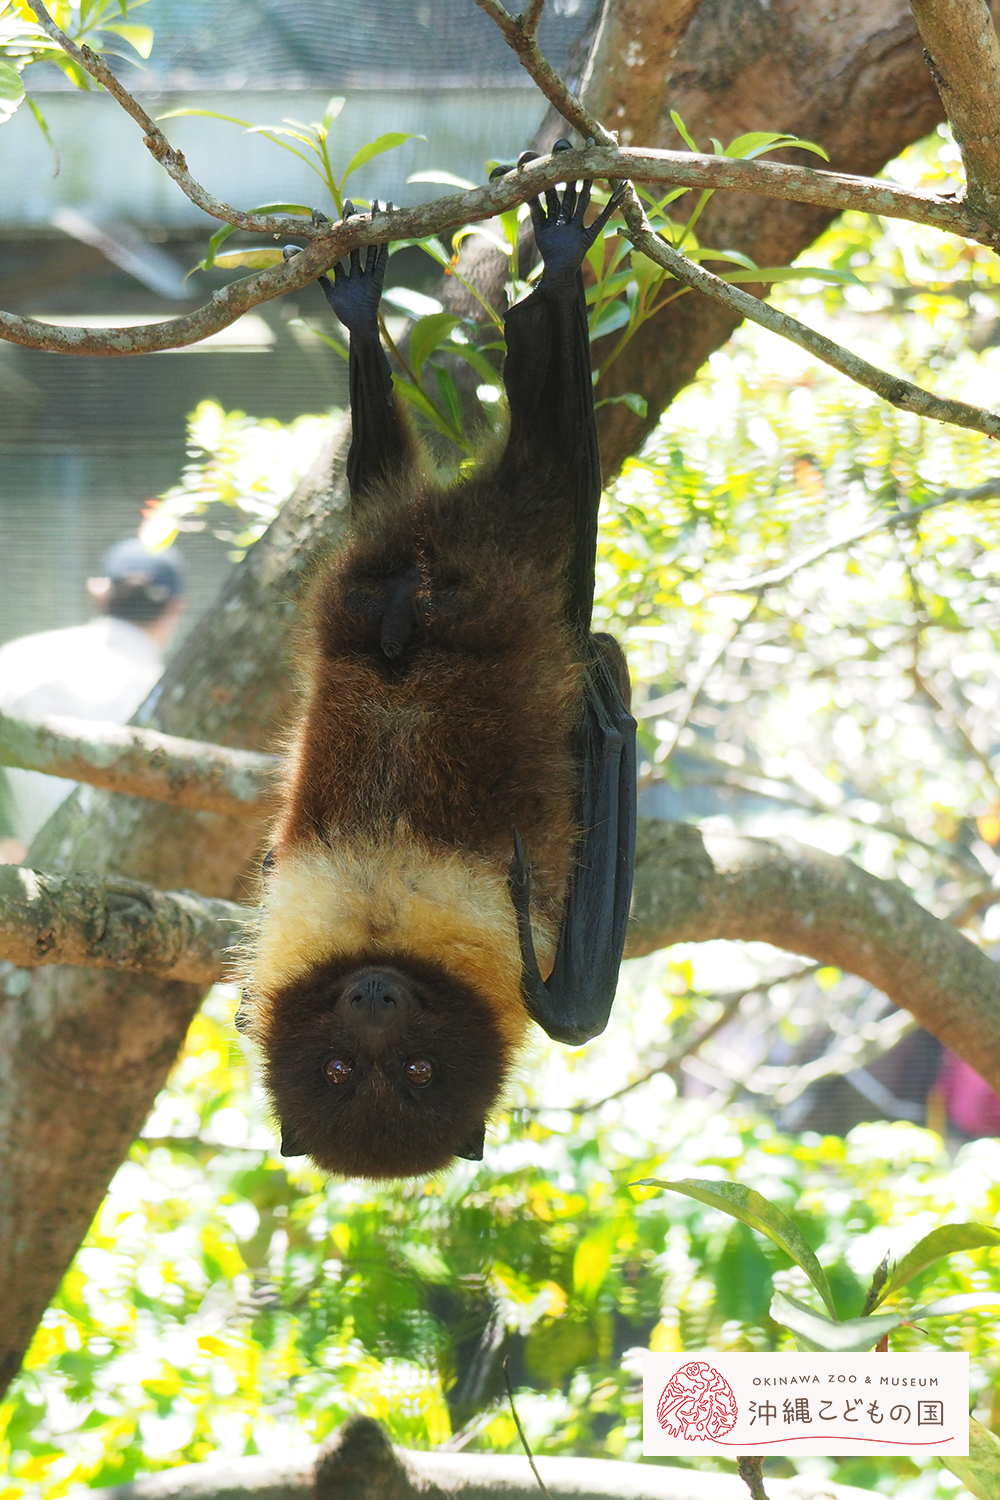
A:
[139, 763]
[83, 1052]
[849, 74]
[963, 56]
[113, 923]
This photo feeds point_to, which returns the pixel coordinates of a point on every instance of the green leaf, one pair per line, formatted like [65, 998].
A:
[42, 124]
[416, 398]
[509, 222]
[980, 1472]
[209, 114]
[755, 142]
[593, 1260]
[304, 136]
[332, 110]
[11, 87]
[682, 130]
[447, 179]
[140, 37]
[326, 338]
[755, 1210]
[477, 359]
[221, 235]
[427, 334]
[961, 1302]
[631, 399]
[378, 147]
[256, 258]
[449, 395]
[791, 273]
[614, 315]
[820, 1333]
[947, 1240]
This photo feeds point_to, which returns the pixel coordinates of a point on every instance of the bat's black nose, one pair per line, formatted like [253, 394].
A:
[377, 999]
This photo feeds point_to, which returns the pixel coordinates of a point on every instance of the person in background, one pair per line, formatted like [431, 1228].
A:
[102, 670]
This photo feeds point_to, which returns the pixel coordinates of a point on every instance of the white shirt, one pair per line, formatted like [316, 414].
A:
[102, 670]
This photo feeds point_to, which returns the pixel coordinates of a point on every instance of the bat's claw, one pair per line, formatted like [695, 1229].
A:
[356, 288]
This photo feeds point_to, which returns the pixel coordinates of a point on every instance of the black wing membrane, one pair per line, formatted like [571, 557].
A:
[574, 1003]
[550, 394]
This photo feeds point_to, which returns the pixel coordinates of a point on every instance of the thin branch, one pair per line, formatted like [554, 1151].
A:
[114, 923]
[963, 54]
[532, 15]
[958, 726]
[330, 243]
[730, 1005]
[697, 688]
[988, 490]
[751, 1471]
[521, 1433]
[139, 763]
[869, 1041]
[891, 388]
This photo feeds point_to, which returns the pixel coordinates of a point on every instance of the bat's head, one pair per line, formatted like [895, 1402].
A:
[383, 1067]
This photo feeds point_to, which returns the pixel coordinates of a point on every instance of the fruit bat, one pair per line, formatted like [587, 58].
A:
[453, 858]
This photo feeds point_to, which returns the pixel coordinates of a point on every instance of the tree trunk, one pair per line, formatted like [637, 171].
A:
[83, 1052]
[849, 74]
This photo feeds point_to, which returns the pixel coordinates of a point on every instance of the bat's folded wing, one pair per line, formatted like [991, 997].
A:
[574, 1003]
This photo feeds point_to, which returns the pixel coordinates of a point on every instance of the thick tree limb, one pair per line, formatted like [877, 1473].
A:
[139, 763]
[963, 54]
[359, 1463]
[693, 886]
[690, 887]
[113, 923]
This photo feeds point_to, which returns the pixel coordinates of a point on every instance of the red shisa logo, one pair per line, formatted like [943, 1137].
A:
[697, 1403]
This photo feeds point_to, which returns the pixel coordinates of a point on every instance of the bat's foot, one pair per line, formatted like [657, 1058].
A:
[561, 235]
[356, 288]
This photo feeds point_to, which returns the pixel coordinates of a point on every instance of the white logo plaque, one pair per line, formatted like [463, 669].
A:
[829, 1404]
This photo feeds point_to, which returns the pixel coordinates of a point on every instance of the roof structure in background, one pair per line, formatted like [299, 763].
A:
[335, 44]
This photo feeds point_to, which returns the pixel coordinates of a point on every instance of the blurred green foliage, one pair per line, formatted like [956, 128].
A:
[229, 1302]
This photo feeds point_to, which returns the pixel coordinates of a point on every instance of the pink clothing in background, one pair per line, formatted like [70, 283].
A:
[970, 1103]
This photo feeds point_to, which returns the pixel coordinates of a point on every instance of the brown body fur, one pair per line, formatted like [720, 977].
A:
[404, 783]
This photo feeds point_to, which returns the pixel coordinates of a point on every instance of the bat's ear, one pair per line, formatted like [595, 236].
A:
[472, 1150]
[290, 1144]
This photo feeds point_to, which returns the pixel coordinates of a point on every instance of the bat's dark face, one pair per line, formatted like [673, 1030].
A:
[384, 1068]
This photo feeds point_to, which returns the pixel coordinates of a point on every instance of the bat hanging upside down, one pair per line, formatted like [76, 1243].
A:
[454, 855]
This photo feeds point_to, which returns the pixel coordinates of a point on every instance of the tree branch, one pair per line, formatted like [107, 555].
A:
[330, 243]
[891, 388]
[171, 160]
[988, 490]
[963, 54]
[114, 923]
[693, 886]
[139, 762]
[359, 1462]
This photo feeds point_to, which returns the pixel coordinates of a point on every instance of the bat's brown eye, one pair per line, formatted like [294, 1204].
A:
[338, 1069]
[419, 1071]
